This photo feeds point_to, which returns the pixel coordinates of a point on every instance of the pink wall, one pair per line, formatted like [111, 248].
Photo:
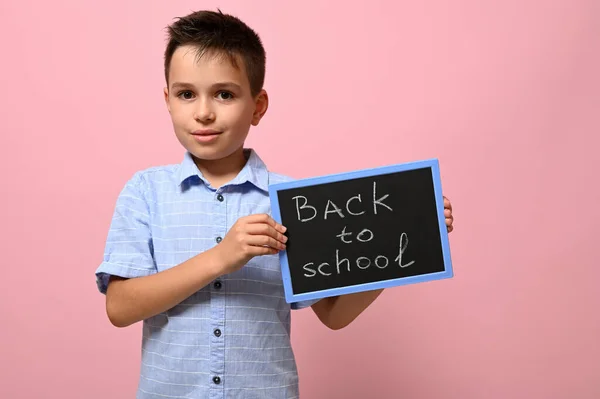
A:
[505, 93]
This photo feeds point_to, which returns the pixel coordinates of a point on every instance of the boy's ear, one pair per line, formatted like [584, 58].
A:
[166, 94]
[262, 104]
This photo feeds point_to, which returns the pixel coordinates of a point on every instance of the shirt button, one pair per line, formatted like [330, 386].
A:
[218, 285]
[216, 380]
[217, 333]
[220, 198]
[218, 239]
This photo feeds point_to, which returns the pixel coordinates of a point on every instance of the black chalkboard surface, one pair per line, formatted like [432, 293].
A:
[362, 230]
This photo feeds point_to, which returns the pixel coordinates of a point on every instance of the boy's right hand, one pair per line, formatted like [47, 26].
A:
[250, 236]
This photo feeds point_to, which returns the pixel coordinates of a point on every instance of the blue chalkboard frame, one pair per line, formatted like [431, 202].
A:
[432, 164]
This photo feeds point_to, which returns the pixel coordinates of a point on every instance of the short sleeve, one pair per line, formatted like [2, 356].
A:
[128, 251]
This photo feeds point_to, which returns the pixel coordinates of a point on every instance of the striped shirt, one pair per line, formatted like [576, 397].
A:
[231, 339]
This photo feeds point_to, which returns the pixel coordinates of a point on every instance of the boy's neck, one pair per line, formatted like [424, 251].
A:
[221, 171]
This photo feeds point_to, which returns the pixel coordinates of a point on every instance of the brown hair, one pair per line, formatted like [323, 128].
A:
[211, 31]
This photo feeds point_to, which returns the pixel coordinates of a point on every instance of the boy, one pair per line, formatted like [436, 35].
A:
[192, 251]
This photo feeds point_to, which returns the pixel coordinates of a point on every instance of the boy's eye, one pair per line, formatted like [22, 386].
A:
[186, 95]
[224, 95]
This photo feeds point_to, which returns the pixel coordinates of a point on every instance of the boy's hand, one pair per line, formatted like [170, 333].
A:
[250, 236]
[448, 214]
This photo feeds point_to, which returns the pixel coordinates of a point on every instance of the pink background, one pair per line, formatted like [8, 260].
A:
[505, 93]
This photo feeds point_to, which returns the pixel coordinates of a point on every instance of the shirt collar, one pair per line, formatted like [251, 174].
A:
[254, 171]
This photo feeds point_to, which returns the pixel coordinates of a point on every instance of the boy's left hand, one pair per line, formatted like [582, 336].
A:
[448, 214]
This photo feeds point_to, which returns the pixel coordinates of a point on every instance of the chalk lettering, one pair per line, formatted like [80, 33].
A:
[377, 263]
[338, 262]
[363, 232]
[344, 234]
[304, 206]
[321, 271]
[335, 209]
[362, 262]
[308, 269]
[380, 200]
[365, 266]
[348, 206]
[402, 250]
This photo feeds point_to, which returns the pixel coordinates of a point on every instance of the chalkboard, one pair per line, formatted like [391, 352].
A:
[362, 230]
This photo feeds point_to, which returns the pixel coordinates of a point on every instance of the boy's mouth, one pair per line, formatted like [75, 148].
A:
[206, 135]
[206, 132]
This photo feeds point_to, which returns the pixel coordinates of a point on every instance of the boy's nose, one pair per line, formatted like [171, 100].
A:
[204, 112]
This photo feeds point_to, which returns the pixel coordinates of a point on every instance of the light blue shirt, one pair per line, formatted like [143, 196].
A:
[231, 339]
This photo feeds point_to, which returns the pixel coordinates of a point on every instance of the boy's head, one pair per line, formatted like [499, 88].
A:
[225, 35]
[215, 71]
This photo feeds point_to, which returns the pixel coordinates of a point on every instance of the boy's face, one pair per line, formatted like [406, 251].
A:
[211, 105]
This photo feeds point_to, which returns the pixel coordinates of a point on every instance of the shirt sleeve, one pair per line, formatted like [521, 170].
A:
[128, 251]
[303, 304]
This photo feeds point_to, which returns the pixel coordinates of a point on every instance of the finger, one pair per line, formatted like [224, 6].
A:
[266, 230]
[449, 221]
[447, 213]
[264, 241]
[265, 218]
[447, 203]
[449, 225]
